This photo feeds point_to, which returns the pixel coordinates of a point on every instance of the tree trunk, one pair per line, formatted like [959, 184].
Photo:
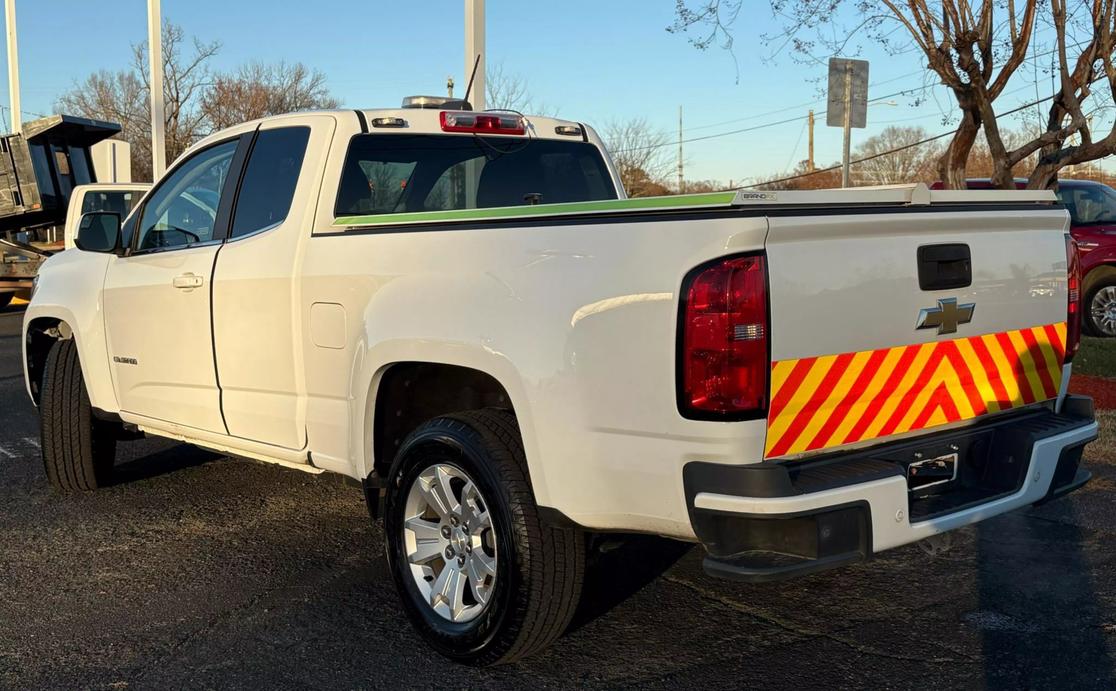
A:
[951, 166]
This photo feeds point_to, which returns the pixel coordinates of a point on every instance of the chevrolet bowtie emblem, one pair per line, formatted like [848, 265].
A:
[946, 316]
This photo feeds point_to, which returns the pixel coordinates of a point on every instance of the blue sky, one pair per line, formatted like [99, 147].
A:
[595, 61]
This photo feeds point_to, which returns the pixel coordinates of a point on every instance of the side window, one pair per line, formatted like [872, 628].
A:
[269, 180]
[183, 209]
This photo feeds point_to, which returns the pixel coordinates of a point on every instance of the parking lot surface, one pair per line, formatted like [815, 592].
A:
[197, 570]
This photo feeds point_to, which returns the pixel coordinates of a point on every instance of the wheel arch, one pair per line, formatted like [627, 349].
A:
[406, 393]
[39, 337]
[1097, 274]
[42, 327]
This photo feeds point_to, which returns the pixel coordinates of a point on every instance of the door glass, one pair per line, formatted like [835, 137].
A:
[183, 209]
[269, 180]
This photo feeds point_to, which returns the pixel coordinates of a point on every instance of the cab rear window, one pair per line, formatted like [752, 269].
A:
[385, 174]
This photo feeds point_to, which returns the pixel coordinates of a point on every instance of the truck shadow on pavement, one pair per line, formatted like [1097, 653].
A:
[170, 459]
[622, 568]
[1040, 616]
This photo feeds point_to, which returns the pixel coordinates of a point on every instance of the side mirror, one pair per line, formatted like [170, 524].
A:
[98, 231]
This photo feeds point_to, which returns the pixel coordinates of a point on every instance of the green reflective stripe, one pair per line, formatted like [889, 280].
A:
[612, 205]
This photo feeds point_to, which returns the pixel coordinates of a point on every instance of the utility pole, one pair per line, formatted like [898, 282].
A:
[158, 123]
[847, 125]
[475, 84]
[681, 179]
[449, 87]
[810, 150]
[474, 47]
[13, 66]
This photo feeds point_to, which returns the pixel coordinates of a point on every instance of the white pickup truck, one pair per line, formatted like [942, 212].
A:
[461, 311]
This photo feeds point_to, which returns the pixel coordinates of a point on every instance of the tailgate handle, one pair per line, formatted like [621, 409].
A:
[944, 267]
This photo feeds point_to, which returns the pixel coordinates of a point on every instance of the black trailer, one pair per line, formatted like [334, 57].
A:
[39, 168]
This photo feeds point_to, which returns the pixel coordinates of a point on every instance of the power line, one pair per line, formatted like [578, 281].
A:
[25, 112]
[753, 127]
[903, 92]
[911, 145]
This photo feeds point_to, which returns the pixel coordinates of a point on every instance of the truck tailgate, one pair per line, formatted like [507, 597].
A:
[849, 362]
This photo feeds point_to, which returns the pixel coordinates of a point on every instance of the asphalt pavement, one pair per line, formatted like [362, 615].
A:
[197, 570]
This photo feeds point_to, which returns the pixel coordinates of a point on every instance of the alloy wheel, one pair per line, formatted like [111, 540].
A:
[450, 542]
[1103, 310]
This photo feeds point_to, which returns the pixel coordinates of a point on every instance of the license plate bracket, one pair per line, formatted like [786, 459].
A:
[931, 472]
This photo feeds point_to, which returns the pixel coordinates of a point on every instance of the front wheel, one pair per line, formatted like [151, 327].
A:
[482, 577]
[78, 449]
[1100, 309]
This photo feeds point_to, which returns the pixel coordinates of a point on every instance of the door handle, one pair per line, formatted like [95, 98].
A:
[188, 281]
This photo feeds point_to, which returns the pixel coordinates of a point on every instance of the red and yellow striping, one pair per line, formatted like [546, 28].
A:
[832, 400]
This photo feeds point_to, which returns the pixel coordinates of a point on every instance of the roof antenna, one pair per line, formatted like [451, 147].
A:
[469, 88]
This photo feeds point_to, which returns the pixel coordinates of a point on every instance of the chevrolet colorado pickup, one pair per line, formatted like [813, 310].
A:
[464, 313]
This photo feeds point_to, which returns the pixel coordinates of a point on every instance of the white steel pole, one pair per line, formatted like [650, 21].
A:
[474, 46]
[158, 124]
[475, 94]
[13, 65]
[848, 126]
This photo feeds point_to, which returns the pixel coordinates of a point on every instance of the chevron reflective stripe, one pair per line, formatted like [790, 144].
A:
[832, 400]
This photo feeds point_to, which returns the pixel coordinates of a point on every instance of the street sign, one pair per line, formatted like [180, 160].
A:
[848, 103]
[857, 72]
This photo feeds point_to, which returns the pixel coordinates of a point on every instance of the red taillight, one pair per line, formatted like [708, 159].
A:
[481, 123]
[1073, 299]
[724, 358]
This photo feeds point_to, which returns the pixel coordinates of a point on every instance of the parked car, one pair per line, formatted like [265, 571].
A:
[464, 313]
[1092, 209]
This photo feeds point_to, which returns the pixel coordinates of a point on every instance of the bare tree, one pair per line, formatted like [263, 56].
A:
[973, 47]
[508, 91]
[185, 77]
[123, 97]
[910, 162]
[641, 154]
[803, 177]
[257, 90]
[196, 102]
[118, 97]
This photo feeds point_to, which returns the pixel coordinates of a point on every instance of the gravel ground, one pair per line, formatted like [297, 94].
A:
[197, 570]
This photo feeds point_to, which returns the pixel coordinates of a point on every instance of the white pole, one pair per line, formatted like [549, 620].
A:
[158, 125]
[848, 126]
[13, 65]
[474, 46]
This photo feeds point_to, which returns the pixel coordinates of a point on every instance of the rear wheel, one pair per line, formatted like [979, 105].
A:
[78, 450]
[483, 579]
[1100, 309]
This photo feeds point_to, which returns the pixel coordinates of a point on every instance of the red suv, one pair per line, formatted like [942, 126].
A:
[1092, 210]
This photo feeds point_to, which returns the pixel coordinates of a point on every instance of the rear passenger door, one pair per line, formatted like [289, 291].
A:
[256, 302]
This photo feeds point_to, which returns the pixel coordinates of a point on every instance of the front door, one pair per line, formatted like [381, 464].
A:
[157, 299]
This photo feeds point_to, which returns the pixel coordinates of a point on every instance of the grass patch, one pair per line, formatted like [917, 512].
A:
[1103, 450]
[1097, 357]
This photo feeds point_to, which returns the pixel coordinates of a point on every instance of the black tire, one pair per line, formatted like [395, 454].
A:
[1090, 326]
[540, 568]
[6, 299]
[78, 450]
